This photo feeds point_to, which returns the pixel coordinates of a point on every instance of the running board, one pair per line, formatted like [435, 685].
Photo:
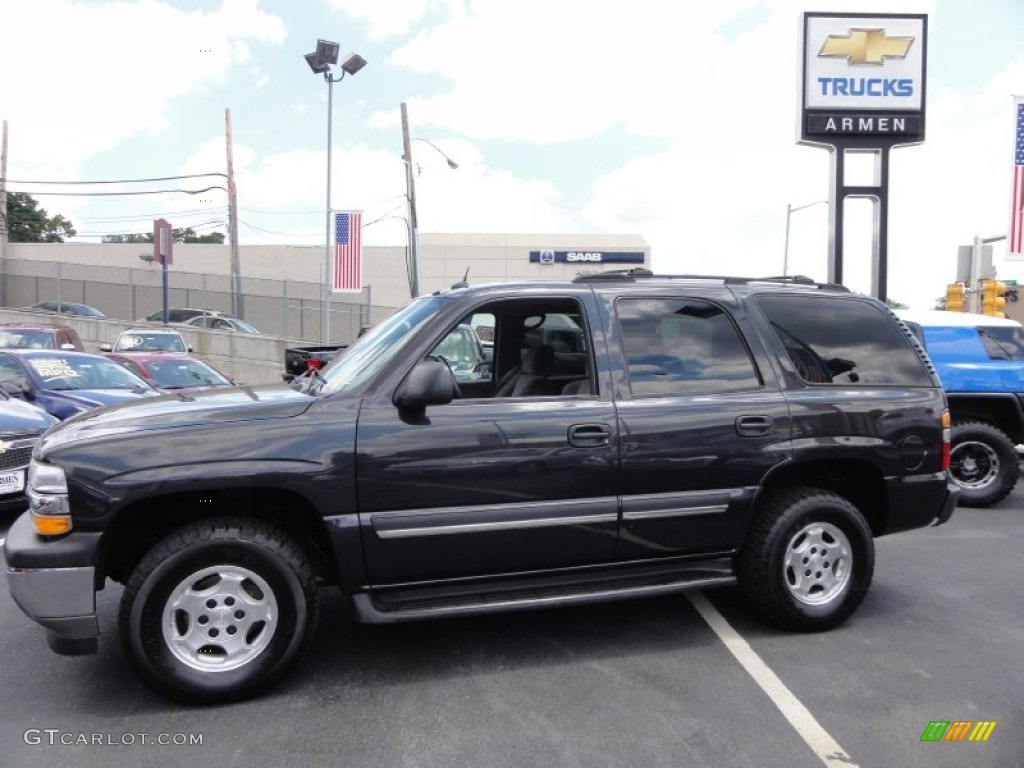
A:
[371, 610]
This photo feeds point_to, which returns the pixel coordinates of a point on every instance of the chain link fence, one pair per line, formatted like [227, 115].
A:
[286, 308]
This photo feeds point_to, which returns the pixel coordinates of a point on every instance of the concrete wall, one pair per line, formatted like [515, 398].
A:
[246, 359]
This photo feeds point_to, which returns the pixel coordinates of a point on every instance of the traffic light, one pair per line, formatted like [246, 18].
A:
[992, 301]
[955, 298]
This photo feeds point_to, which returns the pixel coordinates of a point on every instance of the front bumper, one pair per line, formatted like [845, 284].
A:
[54, 583]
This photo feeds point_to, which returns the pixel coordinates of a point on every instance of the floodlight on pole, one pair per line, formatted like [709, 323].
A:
[320, 62]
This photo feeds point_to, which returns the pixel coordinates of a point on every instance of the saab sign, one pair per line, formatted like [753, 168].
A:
[863, 75]
[586, 257]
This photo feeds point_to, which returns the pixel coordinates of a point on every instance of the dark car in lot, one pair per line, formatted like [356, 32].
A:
[687, 433]
[21, 425]
[66, 308]
[37, 336]
[171, 371]
[68, 383]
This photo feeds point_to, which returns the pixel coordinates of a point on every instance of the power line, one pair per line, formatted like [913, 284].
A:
[111, 194]
[117, 181]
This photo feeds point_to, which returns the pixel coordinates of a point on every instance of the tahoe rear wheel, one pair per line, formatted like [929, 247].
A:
[983, 462]
[218, 610]
[808, 559]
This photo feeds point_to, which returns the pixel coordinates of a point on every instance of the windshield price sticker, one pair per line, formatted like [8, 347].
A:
[53, 369]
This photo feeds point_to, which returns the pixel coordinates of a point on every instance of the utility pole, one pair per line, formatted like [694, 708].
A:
[974, 282]
[237, 308]
[3, 217]
[410, 191]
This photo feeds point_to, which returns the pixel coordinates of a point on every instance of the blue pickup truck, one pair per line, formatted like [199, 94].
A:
[980, 361]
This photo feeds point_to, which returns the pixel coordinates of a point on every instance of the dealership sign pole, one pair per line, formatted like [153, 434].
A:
[862, 92]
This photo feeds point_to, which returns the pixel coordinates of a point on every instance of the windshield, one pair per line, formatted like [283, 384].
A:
[178, 374]
[244, 327]
[373, 351]
[26, 339]
[150, 342]
[84, 373]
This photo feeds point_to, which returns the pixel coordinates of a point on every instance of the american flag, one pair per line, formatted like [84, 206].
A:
[348, 252]
[1016, 238]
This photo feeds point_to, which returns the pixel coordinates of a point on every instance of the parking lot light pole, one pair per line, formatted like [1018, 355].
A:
[320, 62]
[790, 210]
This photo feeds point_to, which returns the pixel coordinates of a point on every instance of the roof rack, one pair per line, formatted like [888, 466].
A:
[630, 275]
[615, 274]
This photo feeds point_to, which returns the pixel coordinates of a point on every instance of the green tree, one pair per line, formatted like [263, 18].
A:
[28, 223]
[893, 304]
[184, 235]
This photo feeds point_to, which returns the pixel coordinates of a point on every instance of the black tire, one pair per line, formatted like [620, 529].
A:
[228, 576]
[983, 462]
[811, 526]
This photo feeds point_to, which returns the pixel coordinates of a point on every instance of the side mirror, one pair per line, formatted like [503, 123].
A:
[189, 348]
[430, 383]
[106, 348]
[12, 388]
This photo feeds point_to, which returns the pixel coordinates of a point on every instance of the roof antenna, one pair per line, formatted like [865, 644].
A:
[464, 282]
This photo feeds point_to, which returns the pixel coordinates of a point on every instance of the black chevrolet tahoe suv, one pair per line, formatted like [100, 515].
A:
[676, 433]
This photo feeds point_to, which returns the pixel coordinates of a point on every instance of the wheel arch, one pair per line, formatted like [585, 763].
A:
[860, 482]
[141, 525]
[1000, 411]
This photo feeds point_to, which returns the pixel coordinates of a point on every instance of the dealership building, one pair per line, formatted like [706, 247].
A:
[281, 284]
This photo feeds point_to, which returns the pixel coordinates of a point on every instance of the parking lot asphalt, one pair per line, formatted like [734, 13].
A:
[641, 683]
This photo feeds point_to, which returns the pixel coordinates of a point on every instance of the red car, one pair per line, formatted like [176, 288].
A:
[172, 371]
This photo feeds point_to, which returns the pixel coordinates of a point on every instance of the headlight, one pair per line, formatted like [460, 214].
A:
[46, 478]
[47, 495]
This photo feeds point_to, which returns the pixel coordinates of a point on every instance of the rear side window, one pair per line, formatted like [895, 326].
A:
[682, 347]
[843, 341]
[1002, 342]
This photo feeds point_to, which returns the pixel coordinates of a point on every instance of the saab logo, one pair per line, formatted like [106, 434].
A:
[866, 46]
[547, 257]
[576, 256]
[958, 730]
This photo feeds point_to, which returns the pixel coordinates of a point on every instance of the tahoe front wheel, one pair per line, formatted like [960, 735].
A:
[218, 610]
[808, 559]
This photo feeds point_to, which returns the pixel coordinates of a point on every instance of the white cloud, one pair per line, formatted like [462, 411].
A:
[271, 188]
[110, 70]
[393, 17]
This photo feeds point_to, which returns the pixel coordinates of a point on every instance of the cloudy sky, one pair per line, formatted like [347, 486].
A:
[673, 121]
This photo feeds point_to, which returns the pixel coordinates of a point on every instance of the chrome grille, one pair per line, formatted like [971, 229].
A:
[18, 451]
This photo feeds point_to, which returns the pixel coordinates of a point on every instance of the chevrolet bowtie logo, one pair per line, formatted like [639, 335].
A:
[866, 46]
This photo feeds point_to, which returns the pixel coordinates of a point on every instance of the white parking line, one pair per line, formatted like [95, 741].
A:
[817, 738]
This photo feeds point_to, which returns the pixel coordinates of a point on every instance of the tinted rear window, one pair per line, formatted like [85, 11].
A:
[843, 341]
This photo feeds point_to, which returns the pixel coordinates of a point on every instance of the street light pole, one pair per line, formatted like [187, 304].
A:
[320, 62]
[790, 210]
[410, 193]
[325, 299]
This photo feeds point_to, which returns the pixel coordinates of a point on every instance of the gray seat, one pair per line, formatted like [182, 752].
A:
[533, 376]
